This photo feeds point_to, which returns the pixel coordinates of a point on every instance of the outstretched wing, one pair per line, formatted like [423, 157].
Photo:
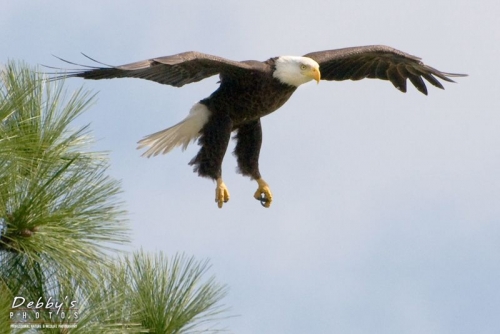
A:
[378, 62]
[176, 70]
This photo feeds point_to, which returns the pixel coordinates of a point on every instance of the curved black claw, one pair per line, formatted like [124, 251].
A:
[263, 194]
[263, 200]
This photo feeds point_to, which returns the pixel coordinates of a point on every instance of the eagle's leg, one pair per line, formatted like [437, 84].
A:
[249, 141]
[221, 193]
[214, 139]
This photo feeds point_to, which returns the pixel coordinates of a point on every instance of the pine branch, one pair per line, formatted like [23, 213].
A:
[59, 215]
[59, 211]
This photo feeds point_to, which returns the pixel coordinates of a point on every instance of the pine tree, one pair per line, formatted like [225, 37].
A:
[62, 223]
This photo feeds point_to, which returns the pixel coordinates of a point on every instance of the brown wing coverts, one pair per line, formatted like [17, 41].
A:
[176, 70]
[378, 62]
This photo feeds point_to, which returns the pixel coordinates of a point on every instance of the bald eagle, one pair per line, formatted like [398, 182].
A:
[250, 90]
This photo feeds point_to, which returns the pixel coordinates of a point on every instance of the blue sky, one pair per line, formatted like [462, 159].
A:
[386, 212]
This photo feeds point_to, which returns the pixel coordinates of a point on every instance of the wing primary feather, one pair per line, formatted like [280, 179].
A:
[418, 83]
[430, 78]
[445, 76]
[402, 70]
[96, 61]
[413, 71]
[76, 64]
[396, 79]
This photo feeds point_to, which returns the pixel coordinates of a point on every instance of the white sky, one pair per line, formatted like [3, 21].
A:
[386, 211]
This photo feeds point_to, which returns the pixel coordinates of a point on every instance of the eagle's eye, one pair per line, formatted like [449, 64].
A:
[303, 67]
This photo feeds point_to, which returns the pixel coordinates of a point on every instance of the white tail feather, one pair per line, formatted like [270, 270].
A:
[180, 134]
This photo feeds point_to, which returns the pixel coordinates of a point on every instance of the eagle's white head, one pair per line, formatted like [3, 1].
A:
[295, 71]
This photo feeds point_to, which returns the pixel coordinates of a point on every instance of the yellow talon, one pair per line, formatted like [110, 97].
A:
[263, 193]
[221, 193]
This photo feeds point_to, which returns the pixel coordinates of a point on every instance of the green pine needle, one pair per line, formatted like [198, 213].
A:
[166, 295]
[60, 218]
[59, 211]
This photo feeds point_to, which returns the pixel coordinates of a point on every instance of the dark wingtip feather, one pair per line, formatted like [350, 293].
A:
[95, 61]
[419, 83]
[395, 77]
[455, 74]
[445, 75]
[432, 80]
[54, 76]
[76, 64]
[74, 72]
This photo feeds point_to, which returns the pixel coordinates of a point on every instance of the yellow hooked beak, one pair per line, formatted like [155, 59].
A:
[315, 74]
